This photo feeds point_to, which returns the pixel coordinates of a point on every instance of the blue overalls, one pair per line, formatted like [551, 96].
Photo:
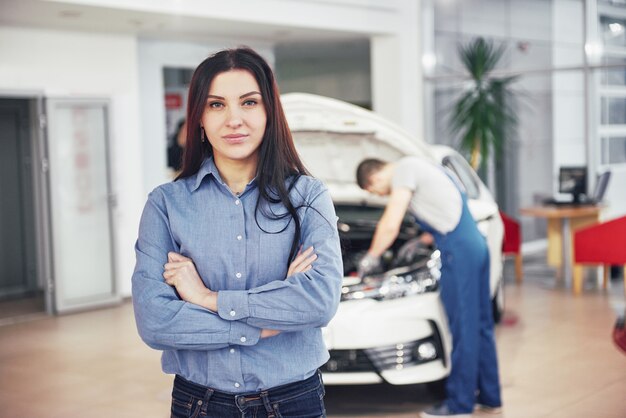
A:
[465, 295]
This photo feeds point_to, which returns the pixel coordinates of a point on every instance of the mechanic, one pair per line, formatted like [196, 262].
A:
[435, 199]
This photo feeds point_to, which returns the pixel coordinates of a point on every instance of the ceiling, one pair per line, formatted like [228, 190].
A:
[54, 15]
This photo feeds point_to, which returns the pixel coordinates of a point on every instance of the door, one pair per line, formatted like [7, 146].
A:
[80, 204]
[18, 275]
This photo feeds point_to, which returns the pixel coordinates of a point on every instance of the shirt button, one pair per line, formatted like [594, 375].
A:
[242, 339]
[237, 385]
[238, 275]
[239, 237]
[233, 313]
[237, 202]
[232, 351]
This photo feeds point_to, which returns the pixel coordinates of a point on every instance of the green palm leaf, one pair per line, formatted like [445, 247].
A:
[483, 114]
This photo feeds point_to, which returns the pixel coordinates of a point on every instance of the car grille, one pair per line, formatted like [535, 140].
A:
[348, 361]
[394, 357]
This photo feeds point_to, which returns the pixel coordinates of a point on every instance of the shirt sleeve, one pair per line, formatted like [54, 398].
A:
[405, 174]
[303, 300]
[164, 321]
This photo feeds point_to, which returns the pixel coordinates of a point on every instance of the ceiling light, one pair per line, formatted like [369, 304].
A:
[616, 28]
[594, 51]
[429, 61]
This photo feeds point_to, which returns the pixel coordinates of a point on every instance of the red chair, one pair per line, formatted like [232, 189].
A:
[512, 244]
[603, 243]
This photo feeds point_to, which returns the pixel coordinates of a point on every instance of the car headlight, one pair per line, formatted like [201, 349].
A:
[415, 279]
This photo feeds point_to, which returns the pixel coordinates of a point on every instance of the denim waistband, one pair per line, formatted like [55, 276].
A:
[275, 394]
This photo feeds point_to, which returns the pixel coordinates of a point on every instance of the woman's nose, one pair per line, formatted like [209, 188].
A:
[234, 119]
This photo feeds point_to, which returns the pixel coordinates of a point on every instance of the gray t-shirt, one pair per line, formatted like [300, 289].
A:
[436, 199]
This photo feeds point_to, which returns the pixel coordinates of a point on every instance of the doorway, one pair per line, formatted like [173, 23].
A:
[56, 233]
[21, 288]
[176, 86]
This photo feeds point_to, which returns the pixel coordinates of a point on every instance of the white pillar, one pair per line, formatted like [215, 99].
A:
[592, 56]
[397, 90]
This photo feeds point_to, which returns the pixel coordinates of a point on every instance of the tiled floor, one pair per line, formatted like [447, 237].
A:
[23, 309]
[556, 360]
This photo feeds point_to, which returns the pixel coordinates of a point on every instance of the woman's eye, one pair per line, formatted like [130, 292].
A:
[250, 102]
[215, 105]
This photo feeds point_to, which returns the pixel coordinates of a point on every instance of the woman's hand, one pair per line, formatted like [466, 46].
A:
[266, 333]
[302, 262]
[181, 273]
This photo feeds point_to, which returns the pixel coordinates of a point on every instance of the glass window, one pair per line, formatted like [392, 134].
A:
[464, 173]
[612, 31]
[613, 75]
[613, 111]
[613, 2]
[613, 150]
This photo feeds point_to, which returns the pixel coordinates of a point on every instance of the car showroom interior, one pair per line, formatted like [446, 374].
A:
[290, 208]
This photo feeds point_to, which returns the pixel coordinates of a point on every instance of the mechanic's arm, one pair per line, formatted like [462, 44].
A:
[163, 320]
[308, 299]
[389, 225]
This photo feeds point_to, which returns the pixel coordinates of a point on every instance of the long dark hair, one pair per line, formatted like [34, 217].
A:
[279, 165]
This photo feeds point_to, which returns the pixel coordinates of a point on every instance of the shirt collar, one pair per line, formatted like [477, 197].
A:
[207, 167]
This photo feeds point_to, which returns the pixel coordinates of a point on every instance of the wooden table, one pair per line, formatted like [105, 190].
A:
[562, 222]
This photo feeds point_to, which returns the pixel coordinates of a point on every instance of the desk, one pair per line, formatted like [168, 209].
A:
[562, 221]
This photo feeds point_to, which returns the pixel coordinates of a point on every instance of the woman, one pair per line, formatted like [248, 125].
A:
[221, 284]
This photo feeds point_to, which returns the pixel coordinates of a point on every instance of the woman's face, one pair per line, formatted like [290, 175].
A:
[234, 117]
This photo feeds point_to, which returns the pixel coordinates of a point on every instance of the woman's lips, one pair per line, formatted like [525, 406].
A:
[235, 138]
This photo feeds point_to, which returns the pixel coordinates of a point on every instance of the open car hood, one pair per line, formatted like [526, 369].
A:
[333, 137]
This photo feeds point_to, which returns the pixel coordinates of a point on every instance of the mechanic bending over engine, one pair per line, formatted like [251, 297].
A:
[440, 208]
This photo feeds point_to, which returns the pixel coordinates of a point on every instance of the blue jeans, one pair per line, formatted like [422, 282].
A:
[303, 399]
[465, 296]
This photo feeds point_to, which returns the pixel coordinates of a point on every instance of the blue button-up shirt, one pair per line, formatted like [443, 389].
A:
[238, 256]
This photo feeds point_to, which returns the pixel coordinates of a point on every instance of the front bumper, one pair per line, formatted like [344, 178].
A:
[374, 341]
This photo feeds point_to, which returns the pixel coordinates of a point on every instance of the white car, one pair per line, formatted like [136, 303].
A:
[391, 326]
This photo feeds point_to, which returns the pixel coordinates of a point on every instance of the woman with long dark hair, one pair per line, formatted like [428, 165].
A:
[238, 260]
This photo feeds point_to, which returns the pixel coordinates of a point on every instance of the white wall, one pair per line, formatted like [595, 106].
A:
[340, 69]
[615, 198]
[396, 62]
[352, 85]
[129, 72]
[568, 104]
[363, 16]
[393, 26]
[70, 64]
[524, 27]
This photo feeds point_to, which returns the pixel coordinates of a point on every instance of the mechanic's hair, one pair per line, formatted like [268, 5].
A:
[366, 169]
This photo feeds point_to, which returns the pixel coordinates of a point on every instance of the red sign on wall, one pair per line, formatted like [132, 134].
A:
[173, 101]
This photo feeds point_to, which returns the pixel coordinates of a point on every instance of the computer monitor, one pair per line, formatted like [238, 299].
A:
[573, 180]
[601, 185]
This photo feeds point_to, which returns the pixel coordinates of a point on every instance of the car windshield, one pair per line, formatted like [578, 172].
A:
[464, 173]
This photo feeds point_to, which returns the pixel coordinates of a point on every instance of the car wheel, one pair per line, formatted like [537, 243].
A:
[497, 304]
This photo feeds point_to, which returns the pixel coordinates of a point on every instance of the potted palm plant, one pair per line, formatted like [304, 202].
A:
[483, 115]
